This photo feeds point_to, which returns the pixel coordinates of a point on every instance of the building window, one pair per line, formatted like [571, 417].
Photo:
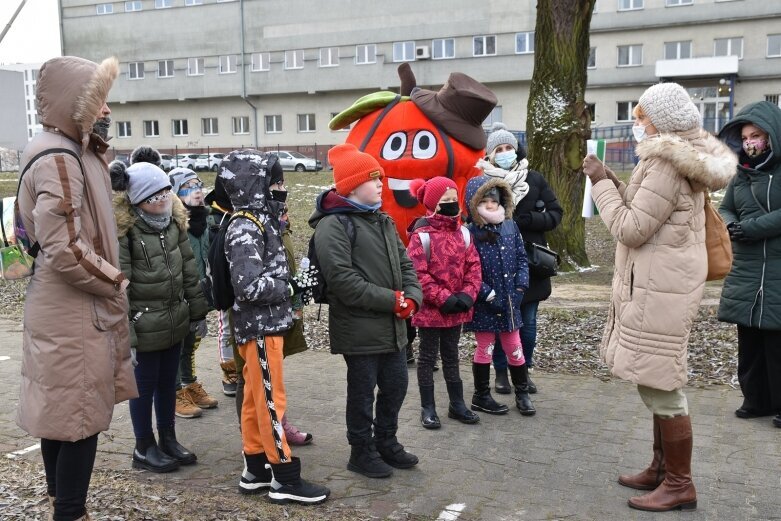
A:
[592, 58]
[179, 127]
[209, 126]
[404, 51]
[443, 49]
[261, 61]
[676, 3]
[151, 128]
[624, 110]
[162, 4]
[493, 117]
[273, 124]
[629, 5]
[773, 98]
[592, 111]
[195, 66]
[774, 45]
[228, 64]
[677, 50]
[123, 129]
[193, 2]
[306, 123]
[104, 8]
[365, 54]
[484, 46]
[294, 59]
[135, 71]
[728, 47]
[241, 124]
[524, 43]
[165, 69]
[630, 55]
[133, 6]
[329, 57]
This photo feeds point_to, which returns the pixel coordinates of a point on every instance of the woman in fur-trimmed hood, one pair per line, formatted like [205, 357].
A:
[658, 220]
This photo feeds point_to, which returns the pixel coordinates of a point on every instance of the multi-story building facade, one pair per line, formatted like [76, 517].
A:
[225, 73]
[30, 73]
[12, 135]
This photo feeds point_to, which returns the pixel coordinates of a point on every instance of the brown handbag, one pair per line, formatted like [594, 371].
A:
[717, 242]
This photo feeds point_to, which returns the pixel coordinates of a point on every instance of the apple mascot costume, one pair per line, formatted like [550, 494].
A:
[420, 133]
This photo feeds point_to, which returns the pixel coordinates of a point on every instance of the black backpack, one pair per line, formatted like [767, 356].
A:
[320, 291]
[218, 278]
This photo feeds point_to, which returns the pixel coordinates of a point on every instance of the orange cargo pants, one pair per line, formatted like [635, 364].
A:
[264, 399]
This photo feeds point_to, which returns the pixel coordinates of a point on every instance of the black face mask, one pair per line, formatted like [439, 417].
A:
[449, 209]
[101, 127]
[279, 195]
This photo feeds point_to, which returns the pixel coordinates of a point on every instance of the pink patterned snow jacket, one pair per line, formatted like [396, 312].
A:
[452, 268]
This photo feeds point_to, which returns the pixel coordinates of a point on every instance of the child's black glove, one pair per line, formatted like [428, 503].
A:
[303, 283]
[465, 302]
[450, 306]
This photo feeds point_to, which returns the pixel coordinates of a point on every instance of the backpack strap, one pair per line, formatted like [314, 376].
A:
[250, 216]
[349, 226]
[36, 248]
[425, 240]
[2, 225]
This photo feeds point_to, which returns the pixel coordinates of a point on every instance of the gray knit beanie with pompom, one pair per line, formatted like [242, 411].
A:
[500, 136]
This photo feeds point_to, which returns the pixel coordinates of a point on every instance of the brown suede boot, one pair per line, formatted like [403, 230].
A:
[651, 477]
[677, 490]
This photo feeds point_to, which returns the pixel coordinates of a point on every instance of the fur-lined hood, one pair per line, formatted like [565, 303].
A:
[476, 189]
[71, 92]
[695, 154]
[126, 217]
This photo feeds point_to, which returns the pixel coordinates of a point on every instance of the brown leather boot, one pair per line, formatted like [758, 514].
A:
[677, 490]
[651, 477]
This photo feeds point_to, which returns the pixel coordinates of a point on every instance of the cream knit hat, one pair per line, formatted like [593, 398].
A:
[670, 108]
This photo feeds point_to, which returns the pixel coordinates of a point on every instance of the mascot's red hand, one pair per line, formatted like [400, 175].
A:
[408, 311]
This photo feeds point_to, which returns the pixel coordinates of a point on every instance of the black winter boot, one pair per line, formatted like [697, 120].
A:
[256, 475]
[482, 399]
[287, 485]
[173, 448]
[393, 453]
[149, 457]
[428, 411]
[364, 459]
[520, 376]
[501, 383]
[457, 409]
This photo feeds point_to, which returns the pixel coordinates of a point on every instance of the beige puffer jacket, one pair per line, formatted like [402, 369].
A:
[661, 263]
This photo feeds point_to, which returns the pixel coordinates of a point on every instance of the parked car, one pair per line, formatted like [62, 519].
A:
[297, 161]
[184, 161]
[165, 161]
[209, 162]
[123, 158]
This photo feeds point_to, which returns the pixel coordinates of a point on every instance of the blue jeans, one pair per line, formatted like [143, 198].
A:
[528, 337]
[156, 380]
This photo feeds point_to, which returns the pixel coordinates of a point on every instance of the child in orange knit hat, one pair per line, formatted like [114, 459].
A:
[371, 289]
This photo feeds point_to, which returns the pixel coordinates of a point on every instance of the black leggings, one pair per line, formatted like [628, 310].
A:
[445, 341]
[68, 467]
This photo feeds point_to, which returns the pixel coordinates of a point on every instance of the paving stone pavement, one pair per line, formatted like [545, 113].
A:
[560, 464]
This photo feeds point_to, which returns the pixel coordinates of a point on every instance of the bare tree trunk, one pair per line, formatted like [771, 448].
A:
[559, 122]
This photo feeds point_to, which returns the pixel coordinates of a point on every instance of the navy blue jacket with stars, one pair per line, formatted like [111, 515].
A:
[502, 258]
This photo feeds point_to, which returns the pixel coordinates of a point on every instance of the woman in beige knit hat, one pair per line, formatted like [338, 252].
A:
[658, 221]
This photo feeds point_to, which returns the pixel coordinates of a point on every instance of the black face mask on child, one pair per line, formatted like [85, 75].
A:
[449, 209]
[279, 195]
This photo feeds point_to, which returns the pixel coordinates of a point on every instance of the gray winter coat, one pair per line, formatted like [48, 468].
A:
[258, 266]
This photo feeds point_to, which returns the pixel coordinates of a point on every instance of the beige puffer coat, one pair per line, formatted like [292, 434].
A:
[661, 263]
[76, 360]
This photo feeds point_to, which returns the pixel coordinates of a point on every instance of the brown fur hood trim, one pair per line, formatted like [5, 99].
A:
[696, 155]
[126, 217]
[95, 93]
[476, 189]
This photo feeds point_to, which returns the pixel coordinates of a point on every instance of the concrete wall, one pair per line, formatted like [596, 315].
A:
[13, 123]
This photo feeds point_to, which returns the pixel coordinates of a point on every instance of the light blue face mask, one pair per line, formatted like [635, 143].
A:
[505, 159]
